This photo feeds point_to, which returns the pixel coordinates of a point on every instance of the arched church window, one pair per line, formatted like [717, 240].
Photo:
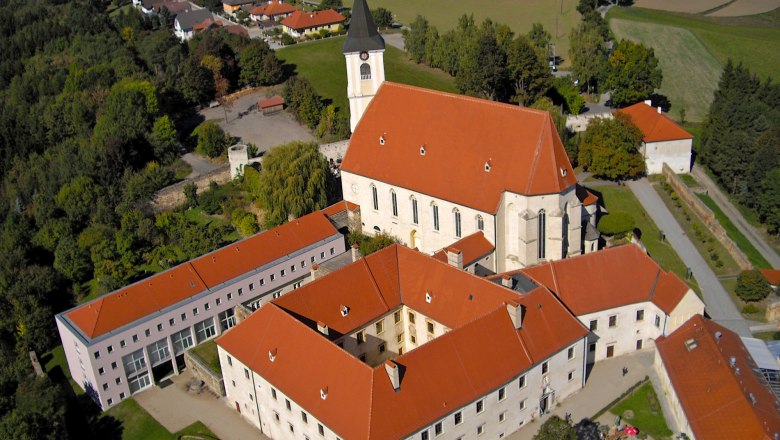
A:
[435, 209]
[457, 223]
[415, 215]
[365, 71]
[542, 219]
[480, 223]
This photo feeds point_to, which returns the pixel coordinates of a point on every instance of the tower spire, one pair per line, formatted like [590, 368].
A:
[362, 34]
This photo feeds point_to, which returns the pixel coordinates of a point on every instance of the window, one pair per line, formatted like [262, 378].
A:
[397, 316]
[246, 373]
[415, 217]
[134, 361]
[437, 429]
[204, 330]
[320, 429]
[113, 365]
[374, 197]
[181, 340]
[283, 273]
[612, 321]
[435, 217]
[521, 382]
[457, 223]
[276, 416]
[640, 315]
[273, 277]
[458, 418]
[545, 367]
[424, 435]
[227, 319]
[97, 354]
[122, 396]
[322, 255]
[251, 398]
[382, 347]
[110, 402]
[184, 316]
[292, 268]
[292, 429]
[570, 376]
[592, 347]
[173, 321]
[219, 301]
[252, 285]
[230, 361]
[365, 71]
[380, 327]
[273, 393]
[138, 382]
[303, 264]
[481, 429]
[431, 327]
[207, 306]
[594, 325]
[361, 336]
[229, 296]
[159, 327]
[502, 417]
[399, 338]
[362, 357]
[657, 321]
[394, 199]
[480, 223]
[110, 348]
[118, 380]
[105, 386]
[480, 406]
[122, 343]
[158, 352]
[411, 317]
[287, 404]
[638, 344]
[135, 338]
[501, 394]
[195, 311]
[522, 404]
[240, 291]
[304, 417]
[101, 371]
[413, 338]
[540, 249]
[570, 353]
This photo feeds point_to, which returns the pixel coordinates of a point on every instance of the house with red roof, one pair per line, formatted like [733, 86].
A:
[663, 140]
[401, 345]
[125, 341]
[301, 23]
[620, 294]
[713, 385]
[273, 10]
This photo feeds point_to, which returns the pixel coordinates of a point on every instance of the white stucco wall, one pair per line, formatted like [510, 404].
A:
[676, 153]
[689, 306]
[670, 395]
[361, 91]
[627, 331]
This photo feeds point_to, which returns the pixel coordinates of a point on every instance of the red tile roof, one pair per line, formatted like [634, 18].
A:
[339, 207]
[715, 398]
[609, 278]
[237, 29]
[361, 402]
[586, 197]
[656, 127]
[273, 8]
[271, 102]
[772, 276]
[116, 309]
[473, 247]
[304, 20]
[461, 133]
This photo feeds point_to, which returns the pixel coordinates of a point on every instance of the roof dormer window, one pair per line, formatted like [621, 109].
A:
[324, 393]
[563, 172]
[422, 150]
[382, 140]
[487, 167]
[428, 297]
[272, 355]
[344, 310]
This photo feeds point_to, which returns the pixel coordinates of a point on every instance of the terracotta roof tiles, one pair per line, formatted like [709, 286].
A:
[303, 20]
[772, 276]
[656, 127]
[474, 247]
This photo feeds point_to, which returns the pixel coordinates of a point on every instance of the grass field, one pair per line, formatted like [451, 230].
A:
[690, 73]
[322, 63]
[742, 242]
[207, 352]
[648, 416]
[558, 17]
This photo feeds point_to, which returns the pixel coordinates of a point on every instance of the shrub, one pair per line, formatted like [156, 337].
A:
[618, 224]
[752, 286]
[750, 309]
[287, 40]
[212, 140]
[245, 222]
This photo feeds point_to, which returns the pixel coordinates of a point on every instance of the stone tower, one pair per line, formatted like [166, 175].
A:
[364, 51]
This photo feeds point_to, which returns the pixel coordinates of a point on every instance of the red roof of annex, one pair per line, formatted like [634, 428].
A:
[655, 126]
[304, 20]
[495, 147]
[116, 309]
[273, 8]
[361, 402]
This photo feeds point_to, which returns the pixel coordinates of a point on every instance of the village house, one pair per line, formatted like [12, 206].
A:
[233, 6]
[299, 23]
[127, 340]
[189, 23]
[275, 10]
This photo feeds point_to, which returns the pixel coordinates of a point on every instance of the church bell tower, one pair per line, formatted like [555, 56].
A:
[364, 51]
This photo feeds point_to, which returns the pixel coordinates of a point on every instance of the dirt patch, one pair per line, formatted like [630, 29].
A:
[688, 6]
[747, 7]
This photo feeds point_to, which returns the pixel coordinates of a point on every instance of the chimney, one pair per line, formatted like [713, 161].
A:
[314, 269]
[659, 110]
[322, 327]
[355, 252]
[516, 312]
[506, 281]
[649, 102]
[454, 257]
[394, 374]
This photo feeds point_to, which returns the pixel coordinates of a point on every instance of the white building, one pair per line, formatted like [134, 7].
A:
[186, 24]
[384, 348]
[127, 340]
[663, 140]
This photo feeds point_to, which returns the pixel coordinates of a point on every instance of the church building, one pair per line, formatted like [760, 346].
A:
[430, 168]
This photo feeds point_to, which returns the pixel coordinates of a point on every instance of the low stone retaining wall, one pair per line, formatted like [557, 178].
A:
[204, 373]
[707, 217]
[173, 195]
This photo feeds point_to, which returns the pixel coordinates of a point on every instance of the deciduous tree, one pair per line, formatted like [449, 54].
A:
[633, 73]
[556, 428]
[610, 148]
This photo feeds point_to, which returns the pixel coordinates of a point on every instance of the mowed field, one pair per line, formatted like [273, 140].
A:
[322, 63]
[688, 6]
[691, 73]
[750, 41]
[557, 16]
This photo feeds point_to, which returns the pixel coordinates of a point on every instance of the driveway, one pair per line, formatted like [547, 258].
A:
[200, 165]
[718, 303]
[736, 217]
[252, 127]
[175, 409]
[395, 39]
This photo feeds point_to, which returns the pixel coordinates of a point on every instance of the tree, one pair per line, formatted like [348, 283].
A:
[197, 83]
[259, 65]
[769, 201]
[77, 198]
[563, 92]
[540, 40]
[588, 53]
[330, 4]
[530, 75]
[483, 71]
[165, 140]
[610, 148]
[414, 38]
[212, 140]
[556, 428]
[302, 101]
[72, 261]
[752, 286]
[633, 73]
[294, 181]
[383, 18]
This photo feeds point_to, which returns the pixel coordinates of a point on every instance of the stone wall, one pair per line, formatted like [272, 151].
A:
[173, 195]
[706, 216]
[204, 373]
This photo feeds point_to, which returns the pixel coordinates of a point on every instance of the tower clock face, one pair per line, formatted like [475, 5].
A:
[364, 55]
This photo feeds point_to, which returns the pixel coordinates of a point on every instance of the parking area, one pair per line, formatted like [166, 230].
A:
[245, 122]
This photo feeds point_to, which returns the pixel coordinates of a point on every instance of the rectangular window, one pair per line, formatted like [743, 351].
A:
[230, 361]
[640, 315]
[110, 348]
[480, 406]
[207, 306]
[394, 198]
[287, 404]
[195, 311]
[521, 382]
[545, 367]
[219, 301]
[592, 347]
[458, 418]
[122, 343]
[118, 380]
[613, 321]
[382, 347]
[113, 365]
[252, 285]
[303, 264]
[292, 429]
[246, 373]
[312, 259]
[110, 402]
[273, 277]
[413, 338]
[101, 371]
[457, 224]
[304, 417]
[570, 353]
[361, 336]
[158, 352]
[501, 394]
[424, 435]
[411, 317]
[135, 338]
[276, 416]
[320, 429]
[415, 217]
[97, 354]
[431, 327]
[183, 317]
[522, 404]
[159, 327]
[283, 273]
[134, 361]
[173, 321]
[292, 268]
[147, 333]
[273, 393]
[240, 291]
[380, 327]
[181, 341]
[638, 344]
[397, 316]
[437, 429]
[502, 417]
[570, 376]
[229, 296]
[435, 217]
[227, 319]
[399, 338]
[362, 358]
[481, 429]
[105, 386]
[594, 325]
[657, 321]
[332, 251]
[122, 396]
[375, 198]
[204, 330]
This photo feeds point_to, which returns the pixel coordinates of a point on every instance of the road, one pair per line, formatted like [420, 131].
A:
[736, 217]
[719, 305]
[200, 165]
[395, 39]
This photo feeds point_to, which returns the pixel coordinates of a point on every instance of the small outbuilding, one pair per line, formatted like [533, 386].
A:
[271, 105]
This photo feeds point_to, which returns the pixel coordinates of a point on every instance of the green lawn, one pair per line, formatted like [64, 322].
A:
[648, 416]
[207, 352]
[620, 198]
[137, 424]
[322, 63]
[744, 244]
[558, 17]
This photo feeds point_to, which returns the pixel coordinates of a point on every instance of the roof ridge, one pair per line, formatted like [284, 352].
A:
[378, 291]
[655, 284]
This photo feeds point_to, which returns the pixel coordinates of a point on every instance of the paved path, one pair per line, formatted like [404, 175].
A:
[175, 408]
[736, 217]
[605, 384]
[200, 165]
[719, 305]
[395, 39]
